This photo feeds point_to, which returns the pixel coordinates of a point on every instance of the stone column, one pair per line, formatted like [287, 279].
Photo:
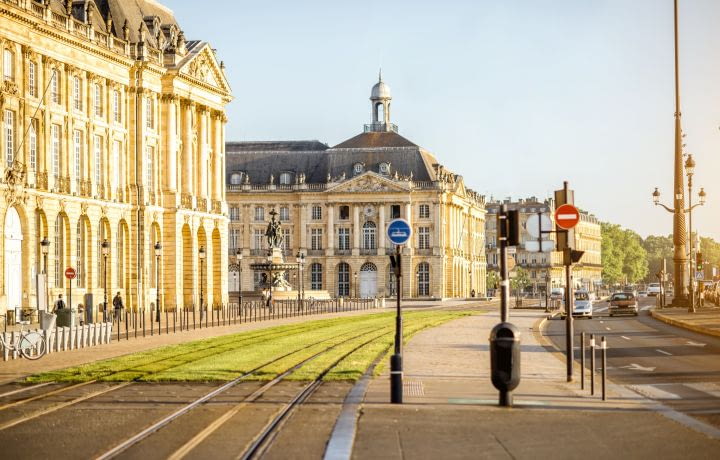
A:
[218, 153]
[356, 230]
[187, 175]
[437, 234]
[381, 230]
[330, 229]
[303, 226]
[203, 153]
[171, 143]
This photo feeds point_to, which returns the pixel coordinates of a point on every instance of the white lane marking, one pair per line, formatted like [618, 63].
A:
[601, 308]
[696, 344]
[646, 308]
[607, 328]
[664, 352]
[637, 367]
[653, 392]
[626, 338]
[706, 387]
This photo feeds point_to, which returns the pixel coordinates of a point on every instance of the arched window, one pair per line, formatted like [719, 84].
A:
[369, 231]
[423, 279]
[343, 280]
[235, 179]
[316, 276]
[285, 178]
[368, 267]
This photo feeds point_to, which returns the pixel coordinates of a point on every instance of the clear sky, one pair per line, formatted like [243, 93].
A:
[515, 95]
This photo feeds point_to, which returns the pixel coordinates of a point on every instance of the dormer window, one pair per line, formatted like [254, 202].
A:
[358, 168]
[236, 178]
[385, 168]
[285, 178]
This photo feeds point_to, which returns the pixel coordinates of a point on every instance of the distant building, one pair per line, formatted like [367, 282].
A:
[335, 204]
[112, 131]
[544, 267]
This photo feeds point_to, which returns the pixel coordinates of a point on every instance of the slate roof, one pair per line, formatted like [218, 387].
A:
[375, 139]
[275, 146]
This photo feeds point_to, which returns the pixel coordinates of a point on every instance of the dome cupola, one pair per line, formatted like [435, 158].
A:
[380, 99]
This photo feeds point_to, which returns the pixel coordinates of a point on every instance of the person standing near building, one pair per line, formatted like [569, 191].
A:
[59, 303]
[118, 306]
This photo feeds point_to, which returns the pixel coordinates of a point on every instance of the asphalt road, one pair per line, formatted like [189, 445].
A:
[675, 367]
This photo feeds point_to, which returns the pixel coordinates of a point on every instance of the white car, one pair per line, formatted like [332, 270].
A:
[653, 289]
[583, 306]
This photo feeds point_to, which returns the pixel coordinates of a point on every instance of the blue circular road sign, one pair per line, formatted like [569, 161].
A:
[399, 231]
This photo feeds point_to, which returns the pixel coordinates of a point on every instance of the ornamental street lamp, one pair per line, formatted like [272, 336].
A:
[300, 259]
[158, 253]
[201, 253]
[679, 207]
[45, 248]
[105, 247]
[356, 284]
[547, 290]
[238, 260]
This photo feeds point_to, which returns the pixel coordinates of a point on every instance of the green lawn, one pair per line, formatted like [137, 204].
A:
[228, 357]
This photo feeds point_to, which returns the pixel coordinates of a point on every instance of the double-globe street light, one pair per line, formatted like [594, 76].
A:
[300, 259]
[105, 248]
[680, 208]
[201, 254]
[238, 260]
[158, 253]
[45, 248]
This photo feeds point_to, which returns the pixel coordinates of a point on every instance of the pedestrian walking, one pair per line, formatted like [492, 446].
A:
[702, 298]
[59, 303]
[118, 306]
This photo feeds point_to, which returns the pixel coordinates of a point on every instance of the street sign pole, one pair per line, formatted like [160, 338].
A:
[399, 233]
[504, 278]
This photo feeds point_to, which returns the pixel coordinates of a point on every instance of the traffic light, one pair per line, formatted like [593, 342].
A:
[509, 227]
[698, 261]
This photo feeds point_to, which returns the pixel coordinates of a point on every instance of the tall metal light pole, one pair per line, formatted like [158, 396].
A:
[298, 259]
[158, 253]
[201, 253]
[355, 282]
[45, 247]
[238, 259]
[105, 247]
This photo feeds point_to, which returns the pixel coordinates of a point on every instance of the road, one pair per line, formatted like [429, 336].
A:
[675, 367]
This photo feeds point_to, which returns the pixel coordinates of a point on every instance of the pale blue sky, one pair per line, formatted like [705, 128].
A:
[515, 95]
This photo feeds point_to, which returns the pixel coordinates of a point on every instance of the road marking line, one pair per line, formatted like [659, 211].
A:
[607, 328]
[706, 387]
[646, 308]
[664, 352]
[626, 338]
[25, 389]
[696, 344]
[654, 392]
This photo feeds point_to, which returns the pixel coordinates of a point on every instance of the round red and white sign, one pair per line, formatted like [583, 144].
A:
[567, 216]
[70, 273]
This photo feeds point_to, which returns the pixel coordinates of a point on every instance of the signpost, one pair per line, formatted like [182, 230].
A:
[567, 216]
[538, 225]
[399, 233]
[70, 274]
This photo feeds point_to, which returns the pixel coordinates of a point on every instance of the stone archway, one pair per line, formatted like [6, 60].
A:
[368, 280]
[13, 256]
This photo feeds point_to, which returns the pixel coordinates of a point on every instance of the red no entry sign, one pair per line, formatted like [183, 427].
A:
[70, 273]
[567, 216]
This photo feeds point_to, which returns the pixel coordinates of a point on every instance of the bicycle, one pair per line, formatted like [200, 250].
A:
[31, 344]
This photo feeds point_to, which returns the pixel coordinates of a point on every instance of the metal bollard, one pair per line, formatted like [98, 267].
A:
[592, 364]
[582, 360]
[604, 365]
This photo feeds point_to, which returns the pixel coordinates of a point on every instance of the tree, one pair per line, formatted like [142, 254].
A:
[624, 258]
[491, 279]
[658, 248]
[520, 280]
[710, 250]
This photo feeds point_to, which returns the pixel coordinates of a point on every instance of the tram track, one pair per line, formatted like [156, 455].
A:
[201, 436]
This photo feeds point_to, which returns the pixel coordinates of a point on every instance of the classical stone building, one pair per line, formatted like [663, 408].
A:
[335, 204]
[112, 131]
[544, 267]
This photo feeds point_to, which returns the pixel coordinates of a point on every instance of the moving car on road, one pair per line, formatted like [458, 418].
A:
[557, 294]
[653, 289]
[583, 305]
[623, 303]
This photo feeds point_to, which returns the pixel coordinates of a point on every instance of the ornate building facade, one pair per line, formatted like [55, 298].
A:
[546, 268]
[112, 132]
[335, 205]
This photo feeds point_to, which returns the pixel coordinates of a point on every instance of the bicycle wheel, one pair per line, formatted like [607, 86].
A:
[32, 346]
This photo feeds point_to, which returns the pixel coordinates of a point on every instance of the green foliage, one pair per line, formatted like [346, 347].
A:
[492, 279]
[520, 280]
[710, 250]
[658, 248]
[624, 258]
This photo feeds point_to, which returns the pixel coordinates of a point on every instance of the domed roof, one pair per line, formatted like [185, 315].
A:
[381, 90]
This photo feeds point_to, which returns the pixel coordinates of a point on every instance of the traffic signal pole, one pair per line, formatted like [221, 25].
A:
[396, 368]
[504, 279]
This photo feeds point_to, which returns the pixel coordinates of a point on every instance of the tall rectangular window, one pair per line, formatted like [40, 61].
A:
[97, 100]
[149, 168]
[316, 212]
[424, 211]
[258, 239]
[77, 94]
[32, 144]
[316, 276]
[9, 137]
[344, 239]
[234, 239]
[234, 213]
[78, 147]
[32, 79]
[54, 87]
[97, 147]
[316, 239]
[149, 112]
[55, 139]
[287, 239]
[8, 64]
[284, 213]
[116, 106]
[259, 213]
[424, 237]
[394, 211]
[117, 175]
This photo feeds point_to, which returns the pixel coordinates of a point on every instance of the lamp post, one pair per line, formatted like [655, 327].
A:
[355, 283]
[300, 259]
[547, 290]
[45, 248]
[297, 259]
[105, 247]
[158, 253]
[238, 260]
[201, 254]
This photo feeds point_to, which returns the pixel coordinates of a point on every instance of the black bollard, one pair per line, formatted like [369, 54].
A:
[582, 360]
[592, 364]
[603, 346]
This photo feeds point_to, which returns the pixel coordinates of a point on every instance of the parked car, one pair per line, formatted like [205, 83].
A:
[653, 289]
[583, 305]
[623, 303]
[557, 294]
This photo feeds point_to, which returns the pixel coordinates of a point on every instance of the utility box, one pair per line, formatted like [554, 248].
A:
[65, 317]
[505, 360]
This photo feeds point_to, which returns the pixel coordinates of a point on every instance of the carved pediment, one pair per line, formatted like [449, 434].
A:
[368, 183]
[204, 66]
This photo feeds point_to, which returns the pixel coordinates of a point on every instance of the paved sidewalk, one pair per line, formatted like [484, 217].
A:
[705, 321]
[451, 410]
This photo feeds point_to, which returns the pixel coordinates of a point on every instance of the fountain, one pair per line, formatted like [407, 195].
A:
[274, 278]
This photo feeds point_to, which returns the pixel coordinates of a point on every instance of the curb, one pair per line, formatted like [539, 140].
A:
[684, 325]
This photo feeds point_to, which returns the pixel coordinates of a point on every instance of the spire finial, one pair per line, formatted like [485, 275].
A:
[380, 74]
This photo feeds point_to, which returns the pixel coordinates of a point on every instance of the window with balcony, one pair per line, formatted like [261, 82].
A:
[98, 159]
[55, 149]
[258, 239]
[9, 137]
[78, 150]
[32, 144]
